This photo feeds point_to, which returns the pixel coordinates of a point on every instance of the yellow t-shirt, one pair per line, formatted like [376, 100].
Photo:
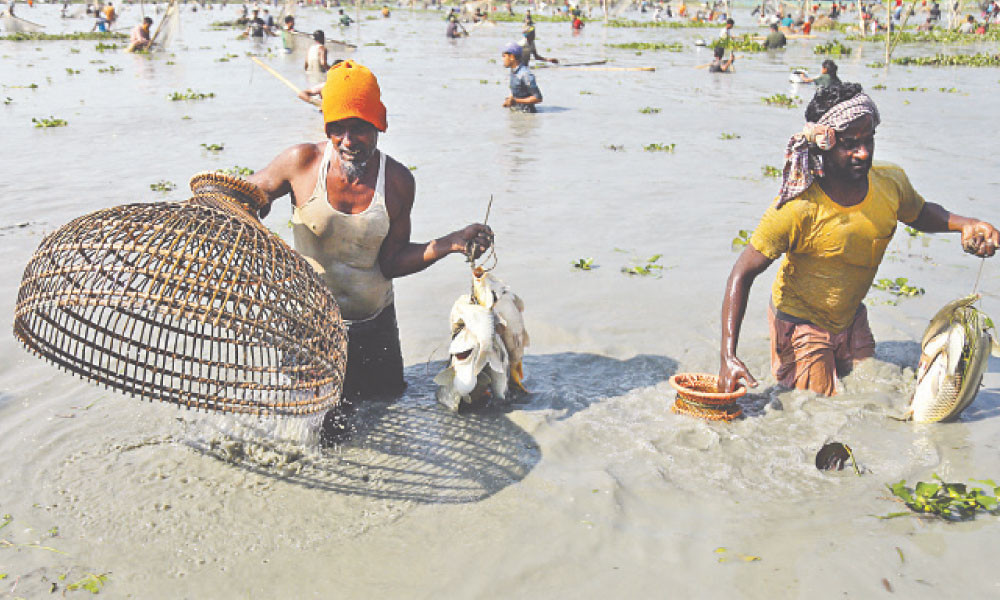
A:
[832, 252]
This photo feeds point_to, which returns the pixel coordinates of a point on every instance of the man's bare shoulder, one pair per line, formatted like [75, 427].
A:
[302, 154]
[399, 179]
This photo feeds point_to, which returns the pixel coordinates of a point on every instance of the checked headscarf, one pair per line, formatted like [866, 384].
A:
[803, 162]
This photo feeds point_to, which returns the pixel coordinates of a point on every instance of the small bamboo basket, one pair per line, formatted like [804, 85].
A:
[194, 303]
[697, 397]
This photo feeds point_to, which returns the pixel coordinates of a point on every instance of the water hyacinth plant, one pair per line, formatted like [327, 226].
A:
[672, 46]
[645, 267]
[949, 501]
[163, 186]
[50, 122]
[189, 95]
[898, 287]
[782, 100]
[742, 238]
[834, 48]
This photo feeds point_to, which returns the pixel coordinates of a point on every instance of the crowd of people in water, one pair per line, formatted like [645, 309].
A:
[830, 224]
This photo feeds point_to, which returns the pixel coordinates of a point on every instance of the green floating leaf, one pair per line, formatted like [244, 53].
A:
[894, 515]
[91, 583]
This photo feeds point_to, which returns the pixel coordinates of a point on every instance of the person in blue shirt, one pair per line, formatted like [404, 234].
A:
[524, 92]
[788, 21]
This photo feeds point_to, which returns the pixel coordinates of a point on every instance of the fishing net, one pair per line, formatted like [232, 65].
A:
[287, 10]
[193, 303]
[697, 397]
[169, 29]
[17, 25]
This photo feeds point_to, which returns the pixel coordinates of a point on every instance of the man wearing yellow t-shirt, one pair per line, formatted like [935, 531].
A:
[832, 221]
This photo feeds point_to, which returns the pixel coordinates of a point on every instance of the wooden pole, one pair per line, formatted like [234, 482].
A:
[282, 79]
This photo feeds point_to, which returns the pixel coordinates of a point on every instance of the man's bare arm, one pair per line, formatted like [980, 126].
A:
[276, 178]
[749, 265]
[399, 256]
[978, 237]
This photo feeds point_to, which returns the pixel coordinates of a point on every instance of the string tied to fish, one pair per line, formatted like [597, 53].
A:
[478, 269]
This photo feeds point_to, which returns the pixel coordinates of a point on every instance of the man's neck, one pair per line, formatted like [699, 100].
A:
[845, 191]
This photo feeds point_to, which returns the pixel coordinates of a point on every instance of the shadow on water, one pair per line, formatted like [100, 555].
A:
[414, 449]
[902, 353]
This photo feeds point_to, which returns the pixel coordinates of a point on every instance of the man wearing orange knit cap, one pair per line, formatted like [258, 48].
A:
[351, 220]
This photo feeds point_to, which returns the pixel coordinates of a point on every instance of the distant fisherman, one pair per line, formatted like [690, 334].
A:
[316, 55]
[726, 33]
[828, 76]
[721, 66]
[775, 39]
[832, 220]
[140, 39]
[287, 34]
[351, 208]
[524, 92]
[529, 43]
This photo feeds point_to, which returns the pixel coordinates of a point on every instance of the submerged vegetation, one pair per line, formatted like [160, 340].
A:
[214, 147]
[770, 171]
[949, 501]
[729, 136]
[649, 110]
[583, 264]
[659, 147]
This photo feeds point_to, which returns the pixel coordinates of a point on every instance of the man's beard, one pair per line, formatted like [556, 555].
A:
[354, 167]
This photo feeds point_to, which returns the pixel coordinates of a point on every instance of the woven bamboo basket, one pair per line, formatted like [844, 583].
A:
[697, 397]
[194, 303]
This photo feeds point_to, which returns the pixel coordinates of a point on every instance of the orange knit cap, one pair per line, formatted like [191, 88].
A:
[351, 90]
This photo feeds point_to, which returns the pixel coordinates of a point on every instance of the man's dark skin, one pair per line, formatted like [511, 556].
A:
[294, 171]
[846, 168]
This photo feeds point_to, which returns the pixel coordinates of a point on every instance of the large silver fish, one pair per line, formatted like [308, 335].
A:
[954, 353]
[487, 346]
[479, 363]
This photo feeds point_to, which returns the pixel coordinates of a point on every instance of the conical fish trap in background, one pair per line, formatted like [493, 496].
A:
[194, 303]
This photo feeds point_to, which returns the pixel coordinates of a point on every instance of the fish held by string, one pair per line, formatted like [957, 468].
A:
[953, 356]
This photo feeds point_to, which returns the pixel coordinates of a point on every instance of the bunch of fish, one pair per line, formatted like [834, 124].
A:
[953, 356]
[487, 344]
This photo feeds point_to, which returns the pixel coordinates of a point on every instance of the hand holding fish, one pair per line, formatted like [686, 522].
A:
[731, 372]
[980, 238]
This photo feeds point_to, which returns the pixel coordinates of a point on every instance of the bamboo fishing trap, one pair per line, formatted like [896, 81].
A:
[194, 303]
